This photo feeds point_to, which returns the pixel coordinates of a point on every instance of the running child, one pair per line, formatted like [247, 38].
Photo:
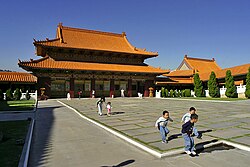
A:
[109, 108]
[187, 130]
[161, 124]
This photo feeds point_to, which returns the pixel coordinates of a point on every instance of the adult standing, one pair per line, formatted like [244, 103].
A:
[99, 105]
[122, 92]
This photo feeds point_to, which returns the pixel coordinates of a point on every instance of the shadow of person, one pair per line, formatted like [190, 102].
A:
[205, 131]
[115, 113]
[124, 163]
[174, 136]
[201, 132]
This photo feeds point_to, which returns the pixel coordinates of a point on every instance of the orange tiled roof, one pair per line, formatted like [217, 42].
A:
[17, 77]
[200, 65]
[180, 73]
[49, 63]
[237, 70]
[68, 37]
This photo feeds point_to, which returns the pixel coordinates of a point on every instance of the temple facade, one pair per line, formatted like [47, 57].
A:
[182, 77]
[80, 60]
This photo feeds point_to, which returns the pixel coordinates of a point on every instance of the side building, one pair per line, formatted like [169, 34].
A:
[182, 77]
[86, 60]
[21, 80]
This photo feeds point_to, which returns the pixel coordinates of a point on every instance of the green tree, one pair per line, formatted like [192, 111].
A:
[179, 93]
[163, 92]
[166, 92]
[183, 93]
[198, 87]
[187, 93]
[231, 88]
[27, 95]
[247, 92]
[213, 86]
[171, 94]
[9, 95]
[17, 94]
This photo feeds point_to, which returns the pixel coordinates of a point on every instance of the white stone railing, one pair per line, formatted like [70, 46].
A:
[158, 94]
[32, 96]
[240, 90]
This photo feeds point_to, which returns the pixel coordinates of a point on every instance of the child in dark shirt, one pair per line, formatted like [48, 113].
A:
[187, 130]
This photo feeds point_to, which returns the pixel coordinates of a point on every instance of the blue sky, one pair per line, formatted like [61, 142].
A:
[217, 29]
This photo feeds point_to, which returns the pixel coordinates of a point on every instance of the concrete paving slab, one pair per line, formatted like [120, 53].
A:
[229, 133]
[134, 132]
[222, 125]
[151, 137]
[243, 140]
[126, 127]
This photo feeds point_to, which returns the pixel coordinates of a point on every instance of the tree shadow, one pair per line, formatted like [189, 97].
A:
[124, 163]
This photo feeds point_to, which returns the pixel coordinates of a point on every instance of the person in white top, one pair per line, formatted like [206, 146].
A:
[186, 118]
[161, 124]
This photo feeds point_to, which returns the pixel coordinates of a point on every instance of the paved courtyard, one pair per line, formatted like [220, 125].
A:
[62, 138]
[136, 117]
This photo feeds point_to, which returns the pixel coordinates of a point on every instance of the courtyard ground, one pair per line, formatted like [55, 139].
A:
[62, 138]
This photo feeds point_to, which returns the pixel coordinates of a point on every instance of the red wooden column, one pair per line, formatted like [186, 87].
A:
[129, 87]
[112, 88]
[72, 87]
[147, 84]
[92, 87]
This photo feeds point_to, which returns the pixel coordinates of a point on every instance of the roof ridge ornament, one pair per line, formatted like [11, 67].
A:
[124, 34]
[59, 32]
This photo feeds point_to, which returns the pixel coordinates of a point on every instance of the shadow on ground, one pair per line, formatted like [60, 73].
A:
[124, 163]
[218, 147]
[175, 136]
[41, 146]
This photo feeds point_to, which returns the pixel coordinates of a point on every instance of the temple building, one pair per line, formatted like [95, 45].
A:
[80, 60]
[182, 77]
[22, 80]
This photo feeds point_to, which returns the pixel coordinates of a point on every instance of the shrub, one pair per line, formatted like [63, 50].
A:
[27, 95]
[166, 92]
[9, 95]
[198, 88]
[187, 93]
[179, 93]
[17, 94]
[231, 88]
[171, 94]
[213, 86]
[1, 95]
[163, 92]
[183, 93]
[175, 93]
[247, 92]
